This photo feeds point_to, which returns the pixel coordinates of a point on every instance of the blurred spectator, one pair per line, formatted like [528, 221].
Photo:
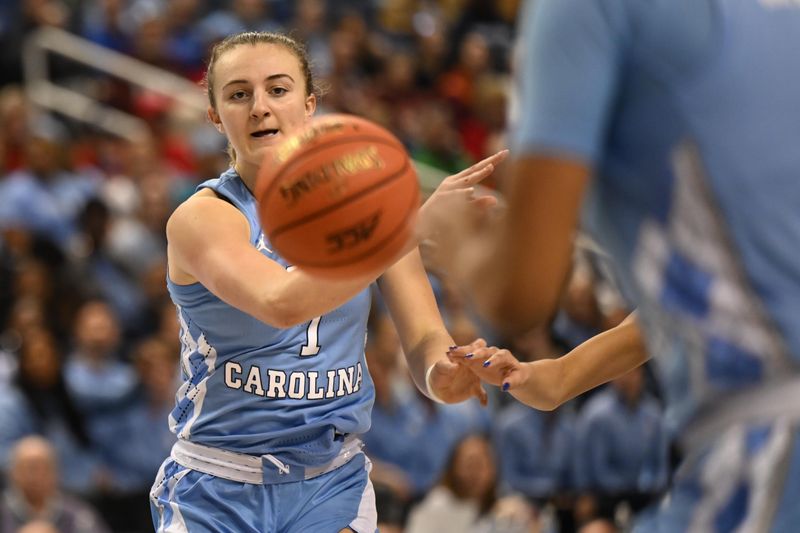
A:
[495, 21]
[104, 388]
[185, 41]
[579, 318]
[237, 16]
[535, 452]
[150, 438]
[621, 450]
[466, 501]
[436, 142]
[310, 26]
[483, 129]
[26, 16]
[33, 494]
[169, 328]
[38, 526]
[43, 196]
[98, 273]
[104, 24]
[14, 115]
[598, 526]
[141, 439]
[96, 376]
[39, 403]
[27, 314]
[458, 84]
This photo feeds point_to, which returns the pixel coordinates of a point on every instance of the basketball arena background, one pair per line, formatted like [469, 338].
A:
[103, 132]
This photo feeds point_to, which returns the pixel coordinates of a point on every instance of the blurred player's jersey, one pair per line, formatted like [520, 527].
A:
[252, 388]
[690, 112]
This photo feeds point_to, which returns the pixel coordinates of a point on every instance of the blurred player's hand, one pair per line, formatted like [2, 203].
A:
[455, 222]
[458, 190]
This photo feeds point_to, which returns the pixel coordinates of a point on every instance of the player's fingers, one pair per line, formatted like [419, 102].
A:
[492, 160]
[480, 393]
[484, 202]
[467, 348]
[501, 361]
[474, 355]
[512, 380]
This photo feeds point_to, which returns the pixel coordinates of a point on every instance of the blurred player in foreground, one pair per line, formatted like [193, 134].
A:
[674, 125]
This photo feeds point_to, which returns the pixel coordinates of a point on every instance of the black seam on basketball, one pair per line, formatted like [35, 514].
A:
[324, 211]
[378, 246]
[334, 142]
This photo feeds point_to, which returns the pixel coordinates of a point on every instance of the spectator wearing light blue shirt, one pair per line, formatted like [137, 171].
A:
[621, 450]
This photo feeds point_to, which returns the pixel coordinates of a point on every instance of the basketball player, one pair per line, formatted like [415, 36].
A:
[276, 388]
[685, 116]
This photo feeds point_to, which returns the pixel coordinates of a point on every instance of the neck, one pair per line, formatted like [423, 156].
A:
[247, 175]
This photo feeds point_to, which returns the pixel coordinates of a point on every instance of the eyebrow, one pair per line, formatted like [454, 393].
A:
[268, 78]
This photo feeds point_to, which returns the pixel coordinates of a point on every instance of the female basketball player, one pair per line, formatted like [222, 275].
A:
[276, 389]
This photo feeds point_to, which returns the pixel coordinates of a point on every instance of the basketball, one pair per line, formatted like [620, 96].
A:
[340, 198]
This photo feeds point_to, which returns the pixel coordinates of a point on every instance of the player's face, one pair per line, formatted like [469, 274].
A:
[260, 95]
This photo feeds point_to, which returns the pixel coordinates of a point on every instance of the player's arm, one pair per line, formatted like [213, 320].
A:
[208, 241]
[530, 242]
[548, 383]
[567, 72]
[408, 296]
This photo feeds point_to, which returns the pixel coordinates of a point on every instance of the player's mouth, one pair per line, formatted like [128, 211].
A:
[265, 134]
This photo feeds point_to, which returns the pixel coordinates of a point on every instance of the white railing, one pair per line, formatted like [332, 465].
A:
[44, 94]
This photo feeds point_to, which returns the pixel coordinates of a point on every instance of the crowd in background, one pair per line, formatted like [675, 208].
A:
[89, 340]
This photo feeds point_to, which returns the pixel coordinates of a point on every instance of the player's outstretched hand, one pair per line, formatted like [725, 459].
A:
[452, 383]
[458, 189]
[534, 384]
[490, 363]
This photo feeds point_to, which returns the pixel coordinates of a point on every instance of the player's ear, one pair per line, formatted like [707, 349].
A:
[213, 117]
[311, 105]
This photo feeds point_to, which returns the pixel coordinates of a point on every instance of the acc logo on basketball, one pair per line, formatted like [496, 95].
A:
[353, 236]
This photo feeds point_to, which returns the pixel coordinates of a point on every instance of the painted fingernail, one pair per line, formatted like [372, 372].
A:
[453, 348]
[469, 356]
[506, 386]
[487, 363]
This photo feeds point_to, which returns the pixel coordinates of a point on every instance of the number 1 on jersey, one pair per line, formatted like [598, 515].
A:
[312, 339]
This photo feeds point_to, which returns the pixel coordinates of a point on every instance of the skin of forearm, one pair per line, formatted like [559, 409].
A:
[302, 297]
[430, 349]
[601, 359]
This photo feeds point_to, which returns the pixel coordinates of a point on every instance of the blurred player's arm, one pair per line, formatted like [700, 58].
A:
[530, 242]
[548, 383]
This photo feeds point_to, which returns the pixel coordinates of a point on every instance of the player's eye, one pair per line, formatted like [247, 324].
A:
[278, 91]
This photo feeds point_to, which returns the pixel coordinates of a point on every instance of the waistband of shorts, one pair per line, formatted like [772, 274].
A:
[256, 469]
[763, 404]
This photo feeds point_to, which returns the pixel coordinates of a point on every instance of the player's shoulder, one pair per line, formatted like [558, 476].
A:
[202, 212]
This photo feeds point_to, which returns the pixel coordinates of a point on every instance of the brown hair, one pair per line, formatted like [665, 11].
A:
[253, 38]
[450, 479]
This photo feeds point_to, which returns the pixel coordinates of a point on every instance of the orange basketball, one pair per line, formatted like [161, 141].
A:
[339, 199]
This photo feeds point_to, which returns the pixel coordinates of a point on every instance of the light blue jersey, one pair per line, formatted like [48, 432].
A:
[689, 111]
[252, 388]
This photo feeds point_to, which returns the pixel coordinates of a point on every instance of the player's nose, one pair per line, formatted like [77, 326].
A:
[260, 107]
